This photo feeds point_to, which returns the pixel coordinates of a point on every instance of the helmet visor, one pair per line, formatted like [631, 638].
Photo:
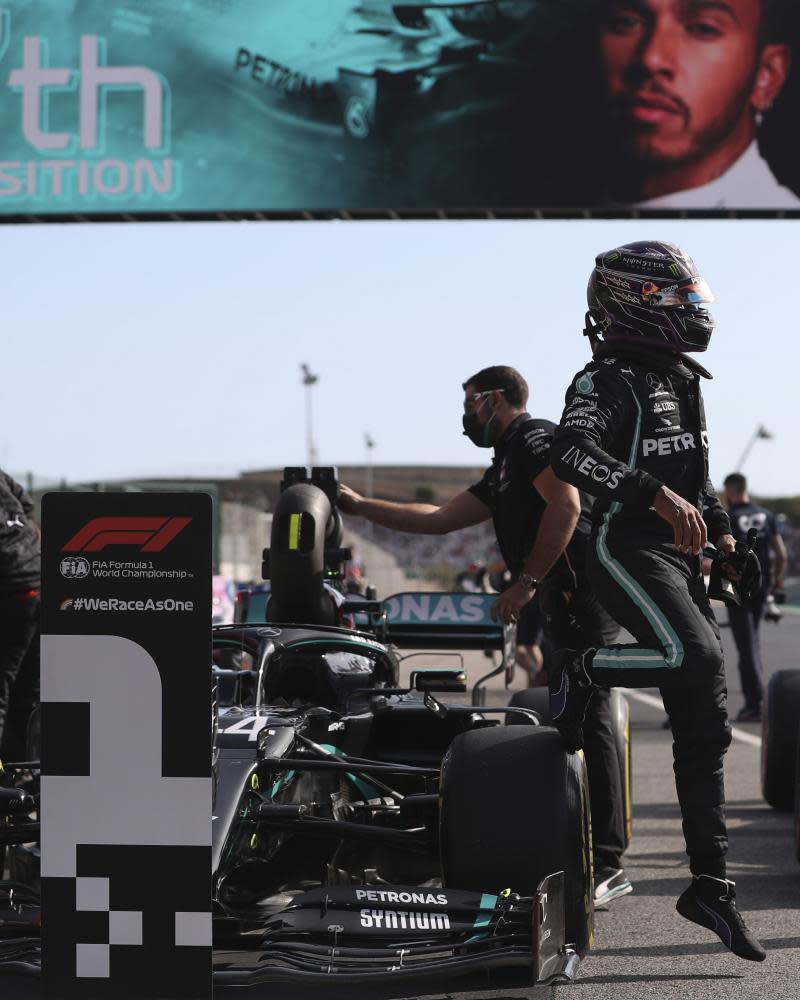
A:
[693, 292]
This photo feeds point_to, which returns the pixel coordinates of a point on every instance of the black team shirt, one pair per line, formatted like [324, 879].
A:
[507, 489]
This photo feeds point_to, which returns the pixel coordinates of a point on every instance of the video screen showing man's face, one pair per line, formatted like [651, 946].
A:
[686, 80]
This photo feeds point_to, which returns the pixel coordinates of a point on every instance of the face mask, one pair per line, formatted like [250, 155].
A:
[478, 433]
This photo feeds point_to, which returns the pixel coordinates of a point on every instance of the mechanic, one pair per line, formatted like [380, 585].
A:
[746, 618]
[530, 628]
[530, 638]
[633, 434]
[535, 518]
[20, 572]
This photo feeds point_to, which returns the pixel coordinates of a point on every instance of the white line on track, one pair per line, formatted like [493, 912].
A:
[649, 699]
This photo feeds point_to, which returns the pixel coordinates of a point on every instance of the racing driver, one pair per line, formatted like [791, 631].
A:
[542, 533]
[633, 434]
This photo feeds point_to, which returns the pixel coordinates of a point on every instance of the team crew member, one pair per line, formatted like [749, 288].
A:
[745, 619]
[633, 433]
[530, 636]
[20, 572]
[535, 517]
[530, 656]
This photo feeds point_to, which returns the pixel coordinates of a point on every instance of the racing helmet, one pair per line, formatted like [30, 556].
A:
[649, 292]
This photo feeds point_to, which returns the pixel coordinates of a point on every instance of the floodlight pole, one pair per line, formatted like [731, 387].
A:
[760, 432]
[369, 444]
[309, 381]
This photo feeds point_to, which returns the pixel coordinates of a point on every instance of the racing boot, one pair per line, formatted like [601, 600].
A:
[711, 902]
[571, 690]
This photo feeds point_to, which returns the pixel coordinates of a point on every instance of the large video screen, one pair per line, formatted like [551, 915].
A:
[176, 107]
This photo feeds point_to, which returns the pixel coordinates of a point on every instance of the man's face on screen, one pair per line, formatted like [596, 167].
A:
[684, 77]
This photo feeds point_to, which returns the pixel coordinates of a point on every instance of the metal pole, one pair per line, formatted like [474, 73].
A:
[309, 380]
[369, 444]
[760, 432]
[310, 457]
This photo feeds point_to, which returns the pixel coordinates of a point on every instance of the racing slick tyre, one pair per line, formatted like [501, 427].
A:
[514, 809]
[535, 699]
[797, 802]
[780, 715]
[357, 117]
[358, 96]
[538, 700]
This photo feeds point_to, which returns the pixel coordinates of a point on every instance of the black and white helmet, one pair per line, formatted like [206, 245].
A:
[653, 292]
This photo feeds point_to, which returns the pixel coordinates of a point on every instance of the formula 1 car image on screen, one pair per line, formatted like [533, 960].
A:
[376, 64]
[367, 65]
[364, 831]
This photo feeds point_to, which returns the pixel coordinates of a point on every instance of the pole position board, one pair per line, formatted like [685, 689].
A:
[126, 746]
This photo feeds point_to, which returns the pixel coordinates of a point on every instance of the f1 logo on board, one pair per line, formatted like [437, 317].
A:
[148, 534]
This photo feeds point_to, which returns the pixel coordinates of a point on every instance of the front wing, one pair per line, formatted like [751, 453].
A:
[366, 932]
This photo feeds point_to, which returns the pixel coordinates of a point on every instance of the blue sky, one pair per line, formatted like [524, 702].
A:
[174, 349]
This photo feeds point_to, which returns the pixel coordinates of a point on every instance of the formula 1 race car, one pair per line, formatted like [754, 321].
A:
[364, 830]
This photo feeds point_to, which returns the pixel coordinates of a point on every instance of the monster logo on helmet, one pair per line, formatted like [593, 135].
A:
[672, 314]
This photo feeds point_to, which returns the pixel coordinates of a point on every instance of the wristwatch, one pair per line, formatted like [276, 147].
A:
[529, 582]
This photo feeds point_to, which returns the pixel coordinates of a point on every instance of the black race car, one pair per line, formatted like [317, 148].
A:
[364, 830]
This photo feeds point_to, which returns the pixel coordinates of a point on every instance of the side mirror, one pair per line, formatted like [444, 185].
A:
[439, 679]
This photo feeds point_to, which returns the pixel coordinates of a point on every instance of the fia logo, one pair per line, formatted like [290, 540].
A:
[74, 568]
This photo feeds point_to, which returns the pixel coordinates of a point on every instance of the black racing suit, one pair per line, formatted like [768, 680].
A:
[634, 421]
[19, 615]
[572, 615]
